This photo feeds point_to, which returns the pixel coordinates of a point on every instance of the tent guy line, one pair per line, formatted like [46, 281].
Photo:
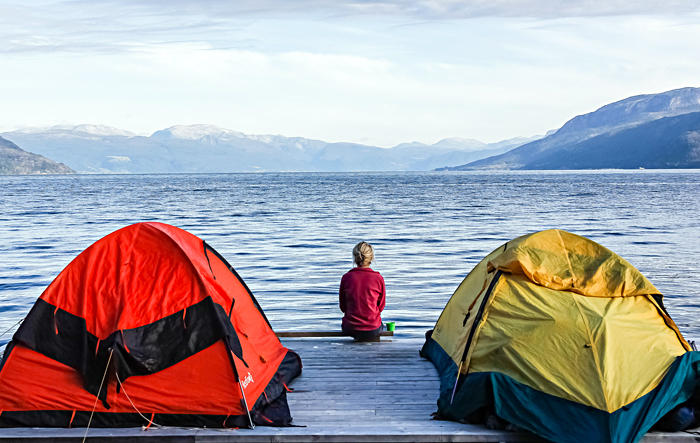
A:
[97, 397]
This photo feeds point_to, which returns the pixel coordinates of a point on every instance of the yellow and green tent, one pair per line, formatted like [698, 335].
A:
[564, 338]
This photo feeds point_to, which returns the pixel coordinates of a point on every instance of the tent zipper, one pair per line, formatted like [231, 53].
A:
[477, 320]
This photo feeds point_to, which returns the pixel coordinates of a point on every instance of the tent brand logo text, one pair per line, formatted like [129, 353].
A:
[248, 380]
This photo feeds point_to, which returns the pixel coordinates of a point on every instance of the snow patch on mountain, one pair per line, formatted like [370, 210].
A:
[76, 131]
[196, 132]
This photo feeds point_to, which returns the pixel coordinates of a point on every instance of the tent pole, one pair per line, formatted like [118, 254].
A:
[240, 384]
[459, 371]
[245, 403]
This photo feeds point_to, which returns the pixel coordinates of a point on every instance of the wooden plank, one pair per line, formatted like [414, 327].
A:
[323, 334]
[434, 381]
[361, 388]
[302, 396]
[371, 434]
[399, 433]
[331, 390]
[309, 376]
[97, 435]
[397, 371]
[376, 406]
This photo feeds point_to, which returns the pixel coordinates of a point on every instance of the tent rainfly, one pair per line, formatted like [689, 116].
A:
[562, 337]
[157, 326]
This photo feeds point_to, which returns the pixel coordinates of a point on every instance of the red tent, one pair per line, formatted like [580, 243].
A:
[156, 324]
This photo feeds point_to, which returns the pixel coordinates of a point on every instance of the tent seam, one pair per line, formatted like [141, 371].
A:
[197, 275]
[593, 347]
[566, 254]
[122, 295]
[672, 325]
[482, 320]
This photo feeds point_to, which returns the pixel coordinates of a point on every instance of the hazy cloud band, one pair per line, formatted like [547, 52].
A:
[123, 25]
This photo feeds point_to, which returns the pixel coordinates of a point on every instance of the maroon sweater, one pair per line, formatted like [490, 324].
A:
[362, 299]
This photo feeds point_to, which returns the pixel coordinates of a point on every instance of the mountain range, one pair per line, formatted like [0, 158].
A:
[645, 131]
[16, 161]
[212, 149]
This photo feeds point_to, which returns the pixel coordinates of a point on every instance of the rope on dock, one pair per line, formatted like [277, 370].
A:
[97, 397]
[150, 421]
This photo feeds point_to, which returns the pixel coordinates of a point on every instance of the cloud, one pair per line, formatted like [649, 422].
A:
[122, 25]
[430, 9]
[99, 27]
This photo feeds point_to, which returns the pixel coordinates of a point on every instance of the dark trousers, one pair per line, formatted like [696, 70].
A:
[363, 335]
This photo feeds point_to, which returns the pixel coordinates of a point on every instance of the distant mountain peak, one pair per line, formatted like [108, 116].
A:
[98, 130]
[4, 143]
[453, 143]
[195, 132]
[102, 130]
[16, 161]
[674, 100]
[460, 140]
[467, 144]
[616, 135]
[637, 109]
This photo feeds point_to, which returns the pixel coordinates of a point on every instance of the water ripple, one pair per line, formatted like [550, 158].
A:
[290, 235]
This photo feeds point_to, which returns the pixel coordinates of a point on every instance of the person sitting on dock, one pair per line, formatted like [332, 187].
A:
[362, 296]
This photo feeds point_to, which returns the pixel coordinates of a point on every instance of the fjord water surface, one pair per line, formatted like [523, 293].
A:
[290, 235]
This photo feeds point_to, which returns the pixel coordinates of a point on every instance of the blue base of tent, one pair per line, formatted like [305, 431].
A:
[552, 417]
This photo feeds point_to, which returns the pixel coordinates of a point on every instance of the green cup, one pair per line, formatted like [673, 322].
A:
[390, 326]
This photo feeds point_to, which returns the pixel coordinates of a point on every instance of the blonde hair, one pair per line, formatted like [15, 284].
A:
[363, 254]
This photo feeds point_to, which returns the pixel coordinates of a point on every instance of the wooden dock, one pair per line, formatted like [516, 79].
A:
[348, 392]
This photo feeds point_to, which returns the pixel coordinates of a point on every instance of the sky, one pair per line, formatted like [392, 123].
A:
[366, 71]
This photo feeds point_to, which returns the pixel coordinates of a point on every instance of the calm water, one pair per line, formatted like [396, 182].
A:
[290, 236]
